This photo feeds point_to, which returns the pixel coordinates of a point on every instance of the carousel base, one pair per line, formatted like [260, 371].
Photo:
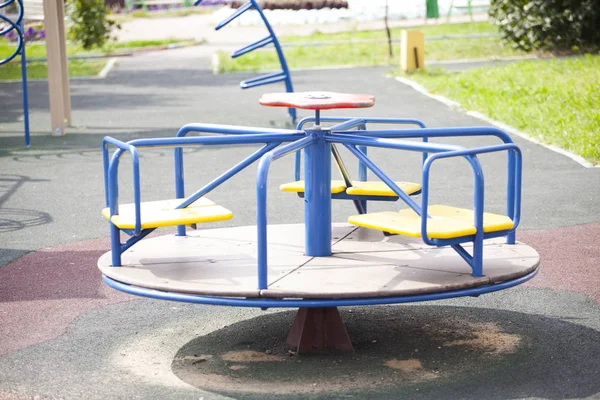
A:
[219, 267]
[364, 264]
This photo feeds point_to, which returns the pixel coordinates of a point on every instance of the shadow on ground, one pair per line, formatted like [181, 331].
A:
[435, 352]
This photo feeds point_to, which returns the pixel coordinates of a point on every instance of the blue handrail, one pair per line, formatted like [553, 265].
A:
[283, 75]
[17, 26]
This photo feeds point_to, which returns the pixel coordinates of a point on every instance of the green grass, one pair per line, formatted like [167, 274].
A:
[555, 101]
[38, 70]
[430, 30]
[38, 50]
[370, 54]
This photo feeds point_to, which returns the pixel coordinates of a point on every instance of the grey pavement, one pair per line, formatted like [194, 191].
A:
[51, 194]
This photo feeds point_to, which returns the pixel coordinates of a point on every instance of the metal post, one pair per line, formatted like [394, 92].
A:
[25, 91]
[362, 168]
[317, 196]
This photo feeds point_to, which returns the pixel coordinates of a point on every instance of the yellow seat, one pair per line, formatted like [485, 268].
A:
[378, 188]
[156, 214]
[298, 187]
[358, 188]
[445, 222]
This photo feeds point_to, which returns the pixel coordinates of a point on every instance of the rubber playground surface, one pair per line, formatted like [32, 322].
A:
[64, 334]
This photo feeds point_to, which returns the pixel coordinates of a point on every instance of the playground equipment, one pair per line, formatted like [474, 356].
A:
[318, 266]
[16, 24]
[283, 75]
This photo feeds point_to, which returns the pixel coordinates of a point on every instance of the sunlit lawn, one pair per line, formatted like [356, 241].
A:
[556, 101]
[38, 49]
[353, 52]
[39, 70]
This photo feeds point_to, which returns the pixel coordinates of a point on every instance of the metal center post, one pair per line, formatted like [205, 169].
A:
[317, 193]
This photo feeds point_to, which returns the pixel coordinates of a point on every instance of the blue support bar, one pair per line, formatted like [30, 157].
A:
[317, 196]
[17, 26]
[212, 128]
[436, 132]
[261, 201]
[362, 169]
[228, 174]
[25, 92]
[264, 81]
[285, 75]
[242, 9]
[386, 179]
[284, 66]
[215, 182]
[510, 196]
[179, 182]
[267, 76]
[214, 140]
[256, 45]
[349, 123]
[232, 130]
[366, 120]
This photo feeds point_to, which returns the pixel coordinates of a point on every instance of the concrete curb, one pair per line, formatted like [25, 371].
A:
[109, 65]
[452, 104]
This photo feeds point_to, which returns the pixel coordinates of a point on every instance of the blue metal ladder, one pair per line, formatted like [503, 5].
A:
[17, 25]
[283, 75]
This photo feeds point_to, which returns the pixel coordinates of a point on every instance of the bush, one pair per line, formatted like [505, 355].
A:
[91, 26]
[548, 24]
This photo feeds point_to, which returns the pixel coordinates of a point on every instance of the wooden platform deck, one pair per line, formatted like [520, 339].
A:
[365, 263]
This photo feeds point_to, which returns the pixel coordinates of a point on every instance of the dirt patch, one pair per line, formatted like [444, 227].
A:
[489, 338]
[412, 368]
[250, 356]
[406, 348]
[409, 365]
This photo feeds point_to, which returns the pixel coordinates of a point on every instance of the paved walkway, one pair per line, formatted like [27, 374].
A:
[66, 335]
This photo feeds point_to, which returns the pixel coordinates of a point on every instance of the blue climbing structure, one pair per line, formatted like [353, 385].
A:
[271, 39]
[16, 25]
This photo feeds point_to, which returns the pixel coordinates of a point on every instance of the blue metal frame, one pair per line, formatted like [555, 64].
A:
[271, 139]
[318, 177]
[348, 123]
[317, 144]
[17, 26]
[283, 75]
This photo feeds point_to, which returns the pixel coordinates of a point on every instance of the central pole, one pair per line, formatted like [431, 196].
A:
[317, 194]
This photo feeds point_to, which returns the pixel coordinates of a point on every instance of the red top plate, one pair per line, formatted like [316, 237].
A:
[317, 100]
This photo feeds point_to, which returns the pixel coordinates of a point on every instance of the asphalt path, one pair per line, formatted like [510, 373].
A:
[66, 335]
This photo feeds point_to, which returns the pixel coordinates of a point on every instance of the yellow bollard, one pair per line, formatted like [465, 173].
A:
[412, 50]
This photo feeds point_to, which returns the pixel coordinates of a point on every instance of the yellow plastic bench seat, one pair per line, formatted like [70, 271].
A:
[378, 188]
[358, 188]
[156, 214]
[445, 222]
[298, 187]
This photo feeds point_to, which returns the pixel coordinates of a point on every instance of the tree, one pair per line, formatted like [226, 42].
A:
[91, 25]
